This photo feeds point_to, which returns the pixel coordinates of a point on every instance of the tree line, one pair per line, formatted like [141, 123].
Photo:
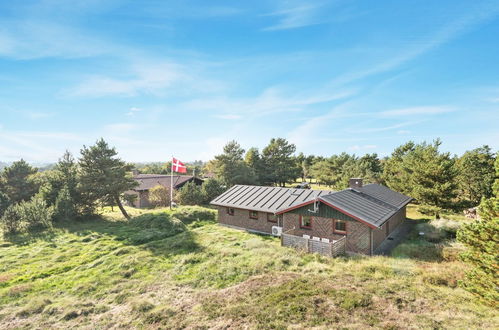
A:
[437, 180]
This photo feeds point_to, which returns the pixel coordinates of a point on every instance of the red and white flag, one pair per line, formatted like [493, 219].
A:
[178, 166]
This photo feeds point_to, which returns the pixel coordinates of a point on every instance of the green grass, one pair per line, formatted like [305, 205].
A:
[181, 269]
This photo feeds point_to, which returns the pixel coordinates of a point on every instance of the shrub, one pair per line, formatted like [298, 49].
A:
[12, 220]
[64, 205]
[4, 203]
[159, 196]
[27, 216]
[211, 189]
[190, 194]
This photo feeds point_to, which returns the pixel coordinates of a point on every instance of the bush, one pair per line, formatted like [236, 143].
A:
[159, 196]
[211, 189]
[190, 194]
[12, 220]
[4, 203]
[64, 205]
[27, 216]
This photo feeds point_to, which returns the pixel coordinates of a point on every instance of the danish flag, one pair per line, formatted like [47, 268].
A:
[178, 166]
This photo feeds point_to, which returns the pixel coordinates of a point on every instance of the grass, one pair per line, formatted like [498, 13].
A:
[180, 269]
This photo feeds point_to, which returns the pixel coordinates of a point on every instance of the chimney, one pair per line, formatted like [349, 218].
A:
[355, 183]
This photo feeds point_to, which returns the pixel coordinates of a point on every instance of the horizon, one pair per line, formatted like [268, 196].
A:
[158, 79]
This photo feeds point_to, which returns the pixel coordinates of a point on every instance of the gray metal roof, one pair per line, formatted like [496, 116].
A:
[373, 204]
[149, 181]
[266, 199]
[385, 194]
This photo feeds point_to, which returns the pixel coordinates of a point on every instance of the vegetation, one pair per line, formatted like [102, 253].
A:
[482, 240]
[190, 194]
[159, 196]
[179, 269]
[26, 216]
[428, 176]
[18, 182]
[103, 176]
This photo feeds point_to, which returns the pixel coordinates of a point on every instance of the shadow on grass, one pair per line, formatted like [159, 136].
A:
[420, 247]
[28, 238]
[164, 242]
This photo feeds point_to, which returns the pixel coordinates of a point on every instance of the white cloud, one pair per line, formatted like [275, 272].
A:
[38, 115]
[403, 132]
[270, 101]
[296, 17]
[33, 38]
[133, 111]
[229, 116]
[147, 79]
[417, 111]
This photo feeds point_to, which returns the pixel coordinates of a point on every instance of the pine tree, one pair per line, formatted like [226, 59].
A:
[17, 181]
[280, 165]
[481, 238]
[211, 189]
[230, 167]
[432, 177]
[476, 175]
[64, 208]
[190, 194]
[396, 174]
[103, 175]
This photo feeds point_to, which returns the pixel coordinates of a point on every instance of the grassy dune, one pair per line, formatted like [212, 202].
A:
[183, 270]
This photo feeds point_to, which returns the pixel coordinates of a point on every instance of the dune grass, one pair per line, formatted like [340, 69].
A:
[180, 269]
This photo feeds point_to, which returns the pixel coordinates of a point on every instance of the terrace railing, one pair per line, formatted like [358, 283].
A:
[329, 249]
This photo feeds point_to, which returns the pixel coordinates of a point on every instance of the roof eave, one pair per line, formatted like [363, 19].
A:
[295, 207]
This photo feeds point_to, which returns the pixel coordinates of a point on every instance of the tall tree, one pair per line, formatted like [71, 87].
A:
[103, 175]
[396, 174]
[17, 181]
[476, 175]
[432, 177]
[63, 179]
[230, 167]
[280, 165]
[482, 241]
[254, 161]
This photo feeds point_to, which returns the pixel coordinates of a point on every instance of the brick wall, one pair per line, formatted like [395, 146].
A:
[379, 235]
[358, 238]
[241, 219]
[321, 227]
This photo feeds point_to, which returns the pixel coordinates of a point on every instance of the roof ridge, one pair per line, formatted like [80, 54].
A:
[379, 201]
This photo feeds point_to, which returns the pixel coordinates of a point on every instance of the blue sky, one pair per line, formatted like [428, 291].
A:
[157, 78]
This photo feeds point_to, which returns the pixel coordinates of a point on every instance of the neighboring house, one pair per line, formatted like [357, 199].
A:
[354, 220]
[148, 181]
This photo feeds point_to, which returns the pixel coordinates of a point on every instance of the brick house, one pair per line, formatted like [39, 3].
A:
[355, 220]
[148, 181]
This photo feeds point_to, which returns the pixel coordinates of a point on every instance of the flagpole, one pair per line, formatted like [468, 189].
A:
[171, 185]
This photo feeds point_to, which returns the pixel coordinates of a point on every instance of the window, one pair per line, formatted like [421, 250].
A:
[230, 211]
[340, 227]
[253, 214]
[271, 217]
[305, 222]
